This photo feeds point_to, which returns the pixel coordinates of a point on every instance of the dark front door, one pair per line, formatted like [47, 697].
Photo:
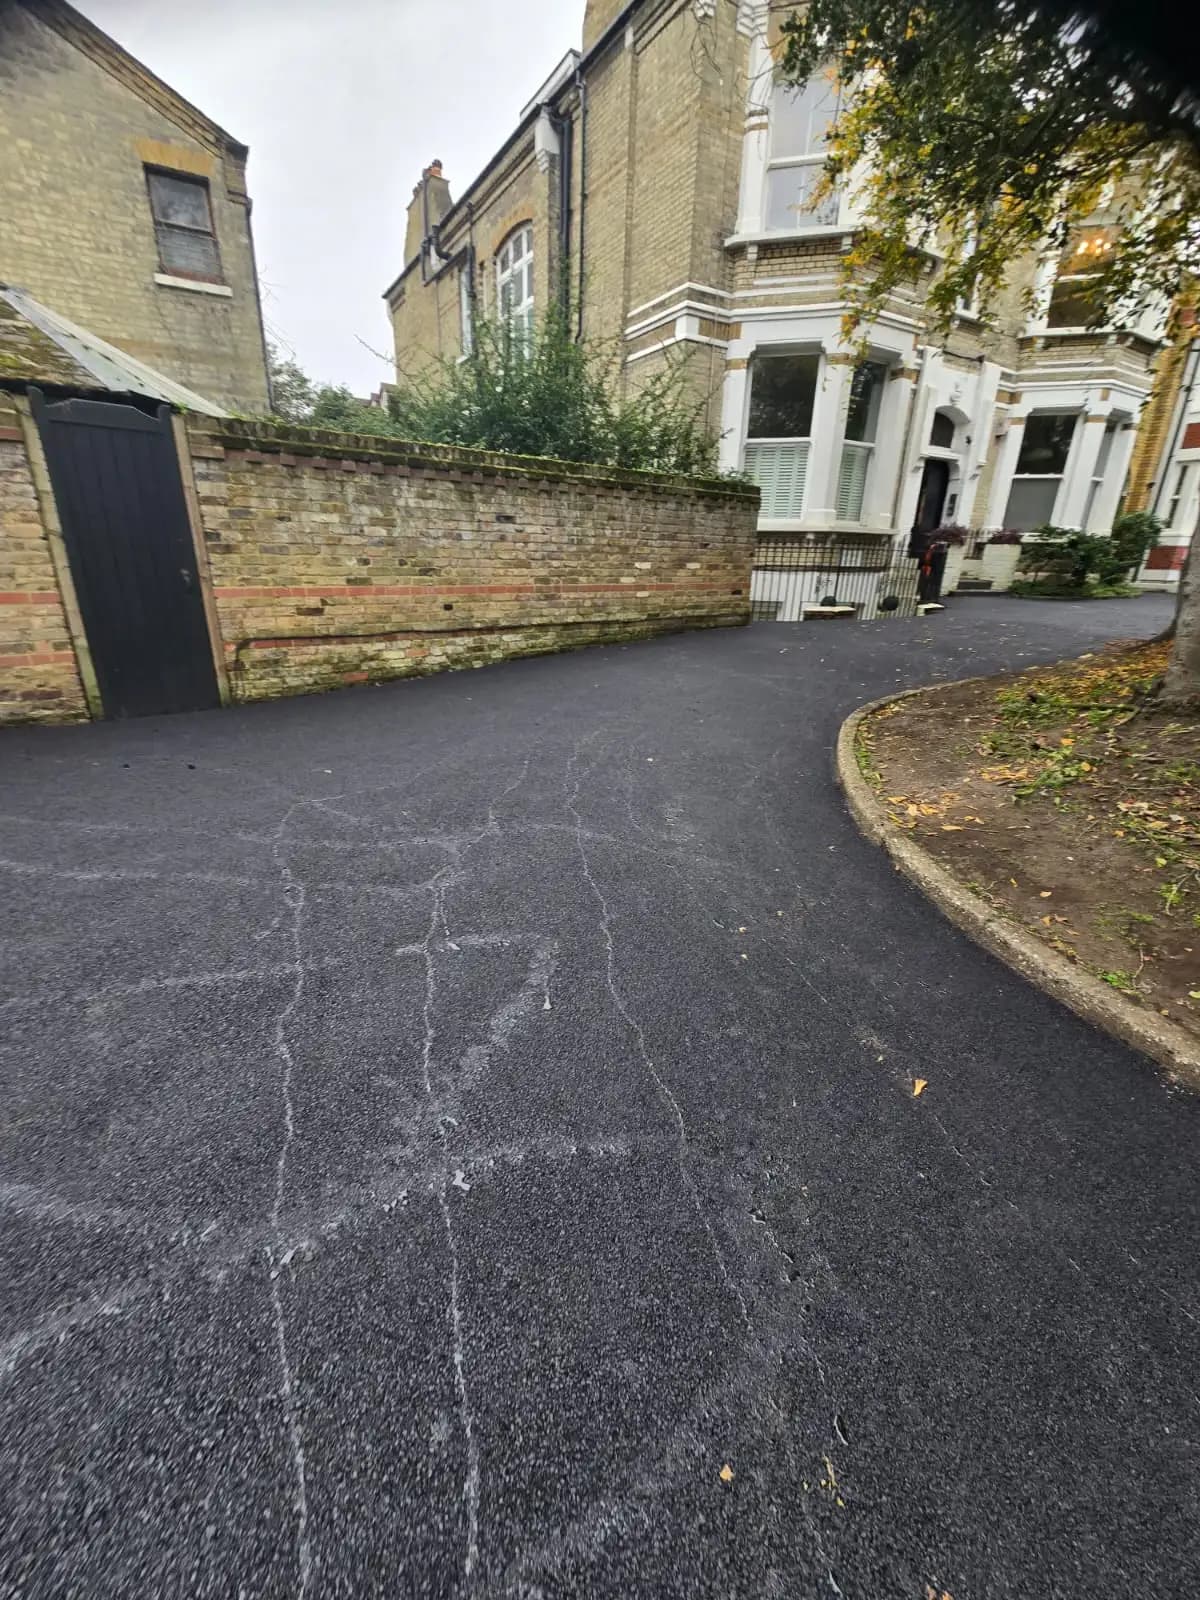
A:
[124, 519]
[931, 501]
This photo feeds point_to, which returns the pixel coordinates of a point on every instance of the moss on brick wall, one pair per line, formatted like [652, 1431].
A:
[335, 558]
[38, 676]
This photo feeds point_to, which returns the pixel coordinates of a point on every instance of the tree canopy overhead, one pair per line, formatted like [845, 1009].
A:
[992, 129]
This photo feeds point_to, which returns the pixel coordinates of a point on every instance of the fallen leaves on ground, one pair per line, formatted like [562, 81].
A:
[1076, 756]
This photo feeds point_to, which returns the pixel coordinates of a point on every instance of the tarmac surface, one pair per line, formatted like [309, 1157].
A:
[457, 1139]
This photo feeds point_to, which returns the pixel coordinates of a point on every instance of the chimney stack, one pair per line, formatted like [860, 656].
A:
[429, 204]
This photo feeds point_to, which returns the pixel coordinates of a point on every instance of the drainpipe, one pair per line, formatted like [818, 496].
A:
[564, 128]
[424, 228]
[581, 86]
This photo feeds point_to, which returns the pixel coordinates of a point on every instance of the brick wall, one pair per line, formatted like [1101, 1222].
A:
[1149, 460]
[75, 139]
[335, 560]
[39, 680]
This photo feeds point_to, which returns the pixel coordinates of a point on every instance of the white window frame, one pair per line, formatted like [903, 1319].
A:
[509, 267]
[854, 468]
[1104, 457]
[466, 310]
[789, 163]
[1059, 478]
[1183, 499]
[784, 456]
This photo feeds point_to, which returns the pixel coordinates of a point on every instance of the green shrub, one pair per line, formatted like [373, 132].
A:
[548, 395]
[1075, 565]
[1132, 535]
[1062, 559]
[538, 395]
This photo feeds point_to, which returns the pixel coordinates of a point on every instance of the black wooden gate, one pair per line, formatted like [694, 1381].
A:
[115, 476]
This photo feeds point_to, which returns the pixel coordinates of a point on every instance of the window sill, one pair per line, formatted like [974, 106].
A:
[196, 285]
[824, 525]
[831, 230]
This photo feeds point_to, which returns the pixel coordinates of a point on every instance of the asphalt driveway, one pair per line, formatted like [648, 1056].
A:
[456, 1138]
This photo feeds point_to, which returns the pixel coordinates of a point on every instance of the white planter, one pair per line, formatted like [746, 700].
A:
[999, 563]
[953, 572]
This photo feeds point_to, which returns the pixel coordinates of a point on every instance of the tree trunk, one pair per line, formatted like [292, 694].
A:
[1169, 631]
[1181, 686]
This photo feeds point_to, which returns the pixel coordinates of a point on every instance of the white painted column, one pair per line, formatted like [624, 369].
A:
[890, 430]
[828, 432]
[1002, 477]
[1080, 469]
[755, 139]
[982, 424]
[735, 396]
[1104, 508]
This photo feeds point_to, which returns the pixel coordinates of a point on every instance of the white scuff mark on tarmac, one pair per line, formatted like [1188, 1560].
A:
[137, 829]
[40, 1205]
[507, 1016]
[294, 897]
[265, 933]
[230, 975]
[454, 1312]
[500, 1026]
[149, 985]
[40, 869]
[471, 1482]
[571, 787]
[57, 1323]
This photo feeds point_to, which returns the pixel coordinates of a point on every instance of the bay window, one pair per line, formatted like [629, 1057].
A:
[801, 119]
[862, 420]
[1040, 466]
[783, 391]
[1098, 471]
[1071, 303]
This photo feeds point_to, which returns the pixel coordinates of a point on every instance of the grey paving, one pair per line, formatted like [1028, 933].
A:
[445, 1125]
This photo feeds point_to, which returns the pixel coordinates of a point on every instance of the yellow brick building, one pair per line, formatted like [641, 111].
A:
[123, 208]
[661, 181]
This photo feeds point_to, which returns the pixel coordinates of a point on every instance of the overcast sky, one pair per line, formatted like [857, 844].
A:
[342, 102]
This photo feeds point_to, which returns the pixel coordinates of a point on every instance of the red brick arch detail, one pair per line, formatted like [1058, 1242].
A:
[520, 219]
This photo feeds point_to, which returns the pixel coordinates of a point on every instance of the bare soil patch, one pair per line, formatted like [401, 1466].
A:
[1070, 802]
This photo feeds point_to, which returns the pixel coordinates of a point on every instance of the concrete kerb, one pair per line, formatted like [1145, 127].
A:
[1096, 1002]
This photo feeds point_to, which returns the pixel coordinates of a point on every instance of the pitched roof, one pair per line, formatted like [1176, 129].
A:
[73, 26]
[39, 346]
